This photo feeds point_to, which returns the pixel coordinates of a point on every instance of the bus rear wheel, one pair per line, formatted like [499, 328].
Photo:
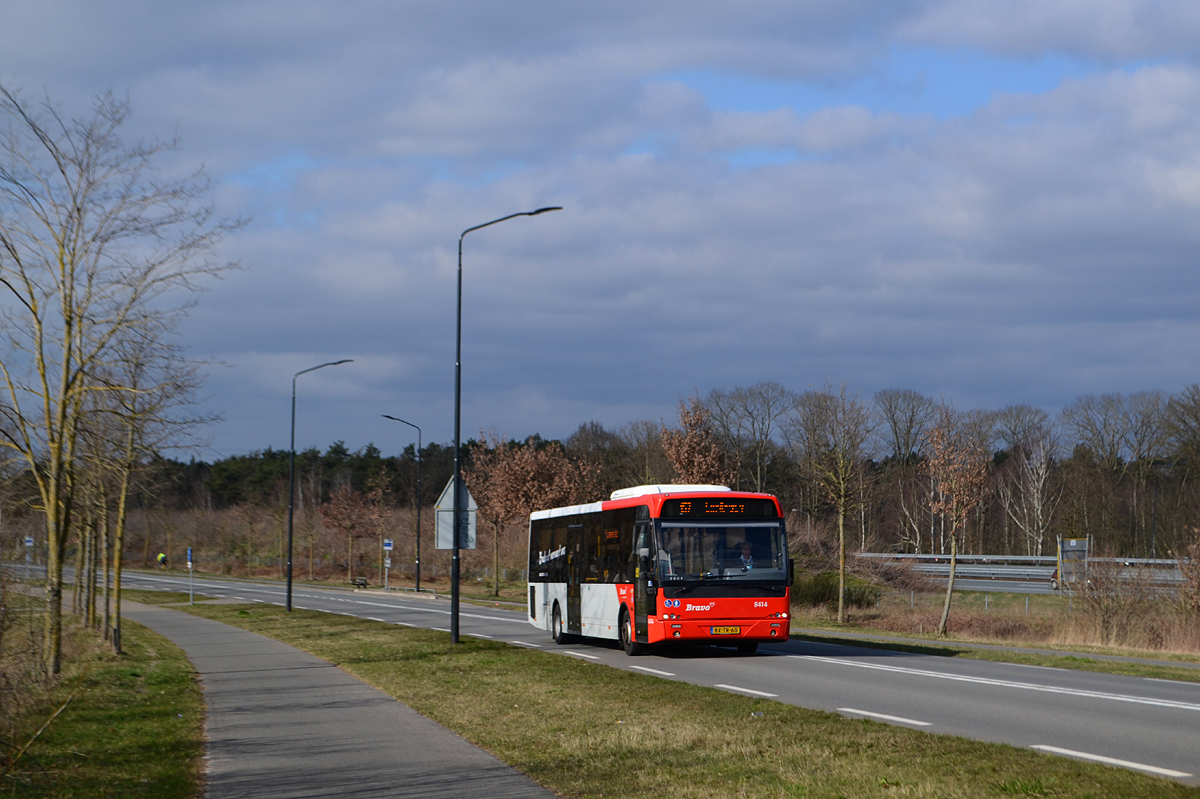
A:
[560, 635]
[628, 636]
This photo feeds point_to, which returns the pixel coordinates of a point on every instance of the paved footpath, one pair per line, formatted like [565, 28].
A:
[283, 723]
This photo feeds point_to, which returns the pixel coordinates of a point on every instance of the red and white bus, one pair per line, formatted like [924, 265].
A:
[654, 564]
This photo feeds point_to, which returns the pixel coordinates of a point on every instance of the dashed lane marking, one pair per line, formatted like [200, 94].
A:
[884, 717]
[1112, 761]
[750, 691]
[649, 670]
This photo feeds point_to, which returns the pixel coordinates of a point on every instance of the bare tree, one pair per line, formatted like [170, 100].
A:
[1019, 425]
[907, 416]
[646, 461]
[746, 419]
[694, 451]
[1099, 423]
[830, 434]
[1128, 435]
[1028, 489]
[353, 515]
[1183, 420]
[510, 480]
[958, 462]
[91, 242]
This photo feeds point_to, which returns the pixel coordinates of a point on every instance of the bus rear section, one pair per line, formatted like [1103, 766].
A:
[662, 564]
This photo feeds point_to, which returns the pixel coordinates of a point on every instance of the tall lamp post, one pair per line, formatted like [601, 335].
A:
[292, 469]
[413, 426]
[459, 504]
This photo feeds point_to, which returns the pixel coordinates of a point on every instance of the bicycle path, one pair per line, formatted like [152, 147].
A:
[283, 723]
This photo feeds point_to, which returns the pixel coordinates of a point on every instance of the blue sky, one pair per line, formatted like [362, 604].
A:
[991, 203]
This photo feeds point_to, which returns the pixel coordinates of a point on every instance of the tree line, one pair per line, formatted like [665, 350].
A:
[1117, 467]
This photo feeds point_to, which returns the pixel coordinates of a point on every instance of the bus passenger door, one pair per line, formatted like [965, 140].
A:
[645, 578]
[574, 578]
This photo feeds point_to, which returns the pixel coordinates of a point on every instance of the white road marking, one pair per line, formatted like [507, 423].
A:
[654, 671]
[403, 624]
[580, 655]
[1025, 686]
[1112, 761]
[884, 716]
[373, 618]
[440, 629]
[735, 689]
[481, 635]
[526, 643]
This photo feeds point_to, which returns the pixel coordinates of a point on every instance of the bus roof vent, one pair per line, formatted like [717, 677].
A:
[637, 491]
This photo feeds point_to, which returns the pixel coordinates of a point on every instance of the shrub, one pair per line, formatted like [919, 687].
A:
[822, 589]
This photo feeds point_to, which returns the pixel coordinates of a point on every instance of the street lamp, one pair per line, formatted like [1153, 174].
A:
[410, 424]
[292, 470]
[458, 503]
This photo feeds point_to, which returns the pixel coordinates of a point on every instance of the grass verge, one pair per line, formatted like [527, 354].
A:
[587, 730]
[133, 729]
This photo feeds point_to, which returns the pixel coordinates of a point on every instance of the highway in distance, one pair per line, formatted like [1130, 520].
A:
[1139, 723]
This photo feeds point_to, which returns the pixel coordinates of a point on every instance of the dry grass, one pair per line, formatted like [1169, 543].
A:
[1117, 619]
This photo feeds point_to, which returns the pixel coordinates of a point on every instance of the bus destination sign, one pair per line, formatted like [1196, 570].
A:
[703, 507]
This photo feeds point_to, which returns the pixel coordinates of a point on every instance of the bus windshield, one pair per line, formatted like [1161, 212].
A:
[689, 551]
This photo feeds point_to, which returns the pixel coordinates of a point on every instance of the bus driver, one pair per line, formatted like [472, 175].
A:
[747, 558]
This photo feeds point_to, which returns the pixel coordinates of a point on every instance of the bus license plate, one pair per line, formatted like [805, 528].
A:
[725, 630]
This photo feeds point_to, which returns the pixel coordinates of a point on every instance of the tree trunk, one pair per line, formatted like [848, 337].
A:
[107, 566]
[842, 564]
[119, 538]
[950, 585]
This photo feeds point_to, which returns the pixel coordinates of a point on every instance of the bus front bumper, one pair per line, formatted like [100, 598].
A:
[717, 631]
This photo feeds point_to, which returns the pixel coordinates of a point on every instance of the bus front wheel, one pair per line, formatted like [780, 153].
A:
[628, 636]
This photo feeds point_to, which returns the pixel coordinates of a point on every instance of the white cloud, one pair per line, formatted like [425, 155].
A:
[1034, 249]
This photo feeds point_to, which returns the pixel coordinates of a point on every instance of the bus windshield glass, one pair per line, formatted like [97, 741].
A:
[696, 551]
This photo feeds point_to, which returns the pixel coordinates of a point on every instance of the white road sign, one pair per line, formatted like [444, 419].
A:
[445, 519]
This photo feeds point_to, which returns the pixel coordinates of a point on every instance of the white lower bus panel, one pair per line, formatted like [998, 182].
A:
[542, 598]
[599, 607]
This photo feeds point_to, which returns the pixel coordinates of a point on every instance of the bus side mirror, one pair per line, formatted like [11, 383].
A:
[791, 572]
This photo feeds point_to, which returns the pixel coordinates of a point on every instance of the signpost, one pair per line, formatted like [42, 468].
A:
[191, 590]
[387, 561]
[28, 557]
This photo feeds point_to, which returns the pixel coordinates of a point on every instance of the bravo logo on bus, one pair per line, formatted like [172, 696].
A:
[709, 606]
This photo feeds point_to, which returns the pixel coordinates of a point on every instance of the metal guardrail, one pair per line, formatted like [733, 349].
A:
[1029, 573]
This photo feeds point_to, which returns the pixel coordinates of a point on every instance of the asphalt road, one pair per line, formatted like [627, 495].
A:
[1139, 723]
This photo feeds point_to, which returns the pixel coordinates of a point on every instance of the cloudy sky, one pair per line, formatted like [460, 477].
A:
[990, 202]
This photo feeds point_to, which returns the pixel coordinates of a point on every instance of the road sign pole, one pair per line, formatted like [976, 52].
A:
[191, 589]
